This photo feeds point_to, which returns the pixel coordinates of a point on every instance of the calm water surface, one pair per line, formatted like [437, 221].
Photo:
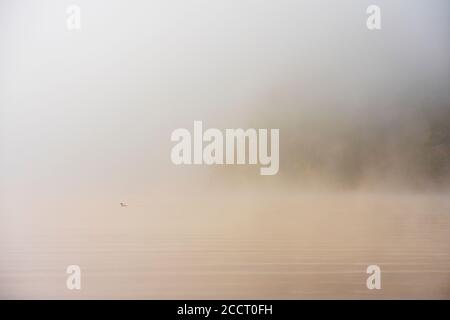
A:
[281, 246]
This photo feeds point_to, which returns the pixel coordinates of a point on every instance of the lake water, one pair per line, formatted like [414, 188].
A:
[251, 246]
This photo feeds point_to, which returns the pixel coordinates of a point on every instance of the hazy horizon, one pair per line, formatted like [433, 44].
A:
[85, 123]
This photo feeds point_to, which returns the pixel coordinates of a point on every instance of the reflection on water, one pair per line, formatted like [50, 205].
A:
[246, 246]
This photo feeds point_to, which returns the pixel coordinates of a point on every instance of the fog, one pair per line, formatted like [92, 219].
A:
[86, 117]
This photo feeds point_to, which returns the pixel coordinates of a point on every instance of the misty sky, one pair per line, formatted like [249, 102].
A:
[93, 109]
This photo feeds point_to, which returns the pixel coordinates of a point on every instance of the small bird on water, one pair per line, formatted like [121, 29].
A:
[123, 204]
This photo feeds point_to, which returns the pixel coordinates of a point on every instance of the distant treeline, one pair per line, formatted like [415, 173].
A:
[410, 149]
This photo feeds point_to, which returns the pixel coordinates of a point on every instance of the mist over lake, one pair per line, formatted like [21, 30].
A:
[86, 176]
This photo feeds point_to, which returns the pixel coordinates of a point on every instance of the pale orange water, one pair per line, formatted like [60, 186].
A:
[246, 245]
